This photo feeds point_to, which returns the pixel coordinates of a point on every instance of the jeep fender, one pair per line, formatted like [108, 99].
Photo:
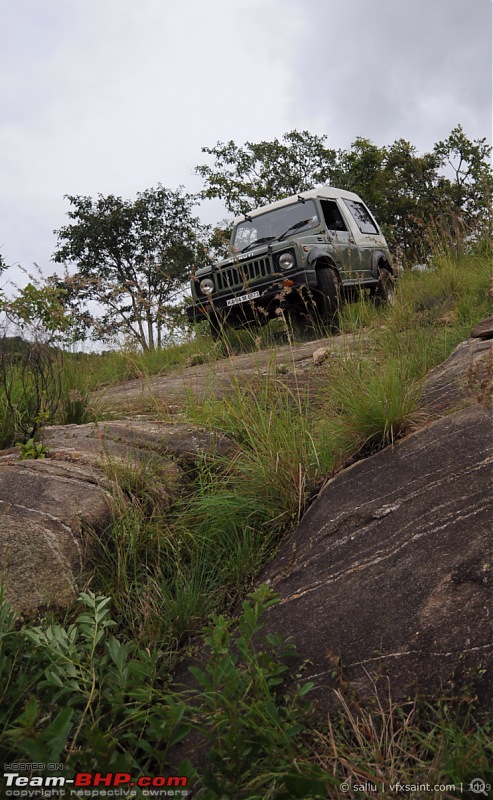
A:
[379, 259]
[323, 257]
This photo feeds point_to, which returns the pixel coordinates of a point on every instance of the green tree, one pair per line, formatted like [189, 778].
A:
[40, 311]
[470, 189]
[132, 258]
[411, 187]
[259, 173]
[361, 169]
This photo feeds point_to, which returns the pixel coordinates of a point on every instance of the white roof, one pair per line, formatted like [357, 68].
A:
[319, 191]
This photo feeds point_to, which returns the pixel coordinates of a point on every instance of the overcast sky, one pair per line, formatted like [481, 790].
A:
[115, 96]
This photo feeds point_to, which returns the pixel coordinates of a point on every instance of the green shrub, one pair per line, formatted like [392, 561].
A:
[79, 695]
[250, 714]
[32, 450]
[69, 692]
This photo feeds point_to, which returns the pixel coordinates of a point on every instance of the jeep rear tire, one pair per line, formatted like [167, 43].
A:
[329, 292]
[384, 293]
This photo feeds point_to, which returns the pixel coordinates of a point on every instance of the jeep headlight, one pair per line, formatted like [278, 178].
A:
[207, 286]
[286, 260]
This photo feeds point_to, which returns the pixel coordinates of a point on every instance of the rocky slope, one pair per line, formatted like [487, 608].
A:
[390, 572]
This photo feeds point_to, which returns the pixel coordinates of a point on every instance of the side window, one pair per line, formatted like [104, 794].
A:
[361, 216]
[332, 216]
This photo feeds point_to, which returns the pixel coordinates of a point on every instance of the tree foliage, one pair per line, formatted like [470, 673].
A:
[256, 174]
[470, 189]
[131, 257]
[39, 311]
[448, 188]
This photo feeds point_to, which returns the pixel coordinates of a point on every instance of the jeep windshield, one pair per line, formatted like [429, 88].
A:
[273, 225]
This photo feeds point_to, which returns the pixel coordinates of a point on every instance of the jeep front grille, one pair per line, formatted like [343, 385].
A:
[237, 276]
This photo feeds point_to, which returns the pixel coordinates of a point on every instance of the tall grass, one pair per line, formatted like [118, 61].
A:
[34, 394]
[168, 570]
[452, 293]
[382, 742]
[276, 433]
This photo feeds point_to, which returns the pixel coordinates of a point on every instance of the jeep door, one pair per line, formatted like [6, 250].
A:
[337, 233]
[366, 233]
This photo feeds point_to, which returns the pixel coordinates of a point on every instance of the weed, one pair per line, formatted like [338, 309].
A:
[98, 699]
[249, 714]
[32, 449]
[380, 741]
[31, 387]
[81, 674]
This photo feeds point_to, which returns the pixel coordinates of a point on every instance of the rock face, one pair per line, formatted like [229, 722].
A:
[390, 572]
[466, 375]
[217, 378]
[391, 568]
[47, 505]
[44, 507]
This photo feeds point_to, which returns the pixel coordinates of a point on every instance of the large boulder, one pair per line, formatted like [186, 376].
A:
[47, 505]
[389, 572]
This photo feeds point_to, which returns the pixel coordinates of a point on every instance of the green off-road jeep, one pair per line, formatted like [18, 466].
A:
[303, 255]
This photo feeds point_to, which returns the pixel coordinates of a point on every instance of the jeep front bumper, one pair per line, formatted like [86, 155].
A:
[265, 297]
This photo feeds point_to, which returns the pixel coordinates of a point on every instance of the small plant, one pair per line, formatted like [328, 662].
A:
[249, 712]
[70, 691]
[79, 694]
[32, 449]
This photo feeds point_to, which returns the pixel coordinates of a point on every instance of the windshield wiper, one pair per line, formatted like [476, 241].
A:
[257, 242]
[294, 227]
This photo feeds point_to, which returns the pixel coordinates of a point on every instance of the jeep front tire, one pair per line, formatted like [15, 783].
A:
[329, 292]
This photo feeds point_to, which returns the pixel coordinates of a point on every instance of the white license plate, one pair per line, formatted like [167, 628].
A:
[244, 298]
